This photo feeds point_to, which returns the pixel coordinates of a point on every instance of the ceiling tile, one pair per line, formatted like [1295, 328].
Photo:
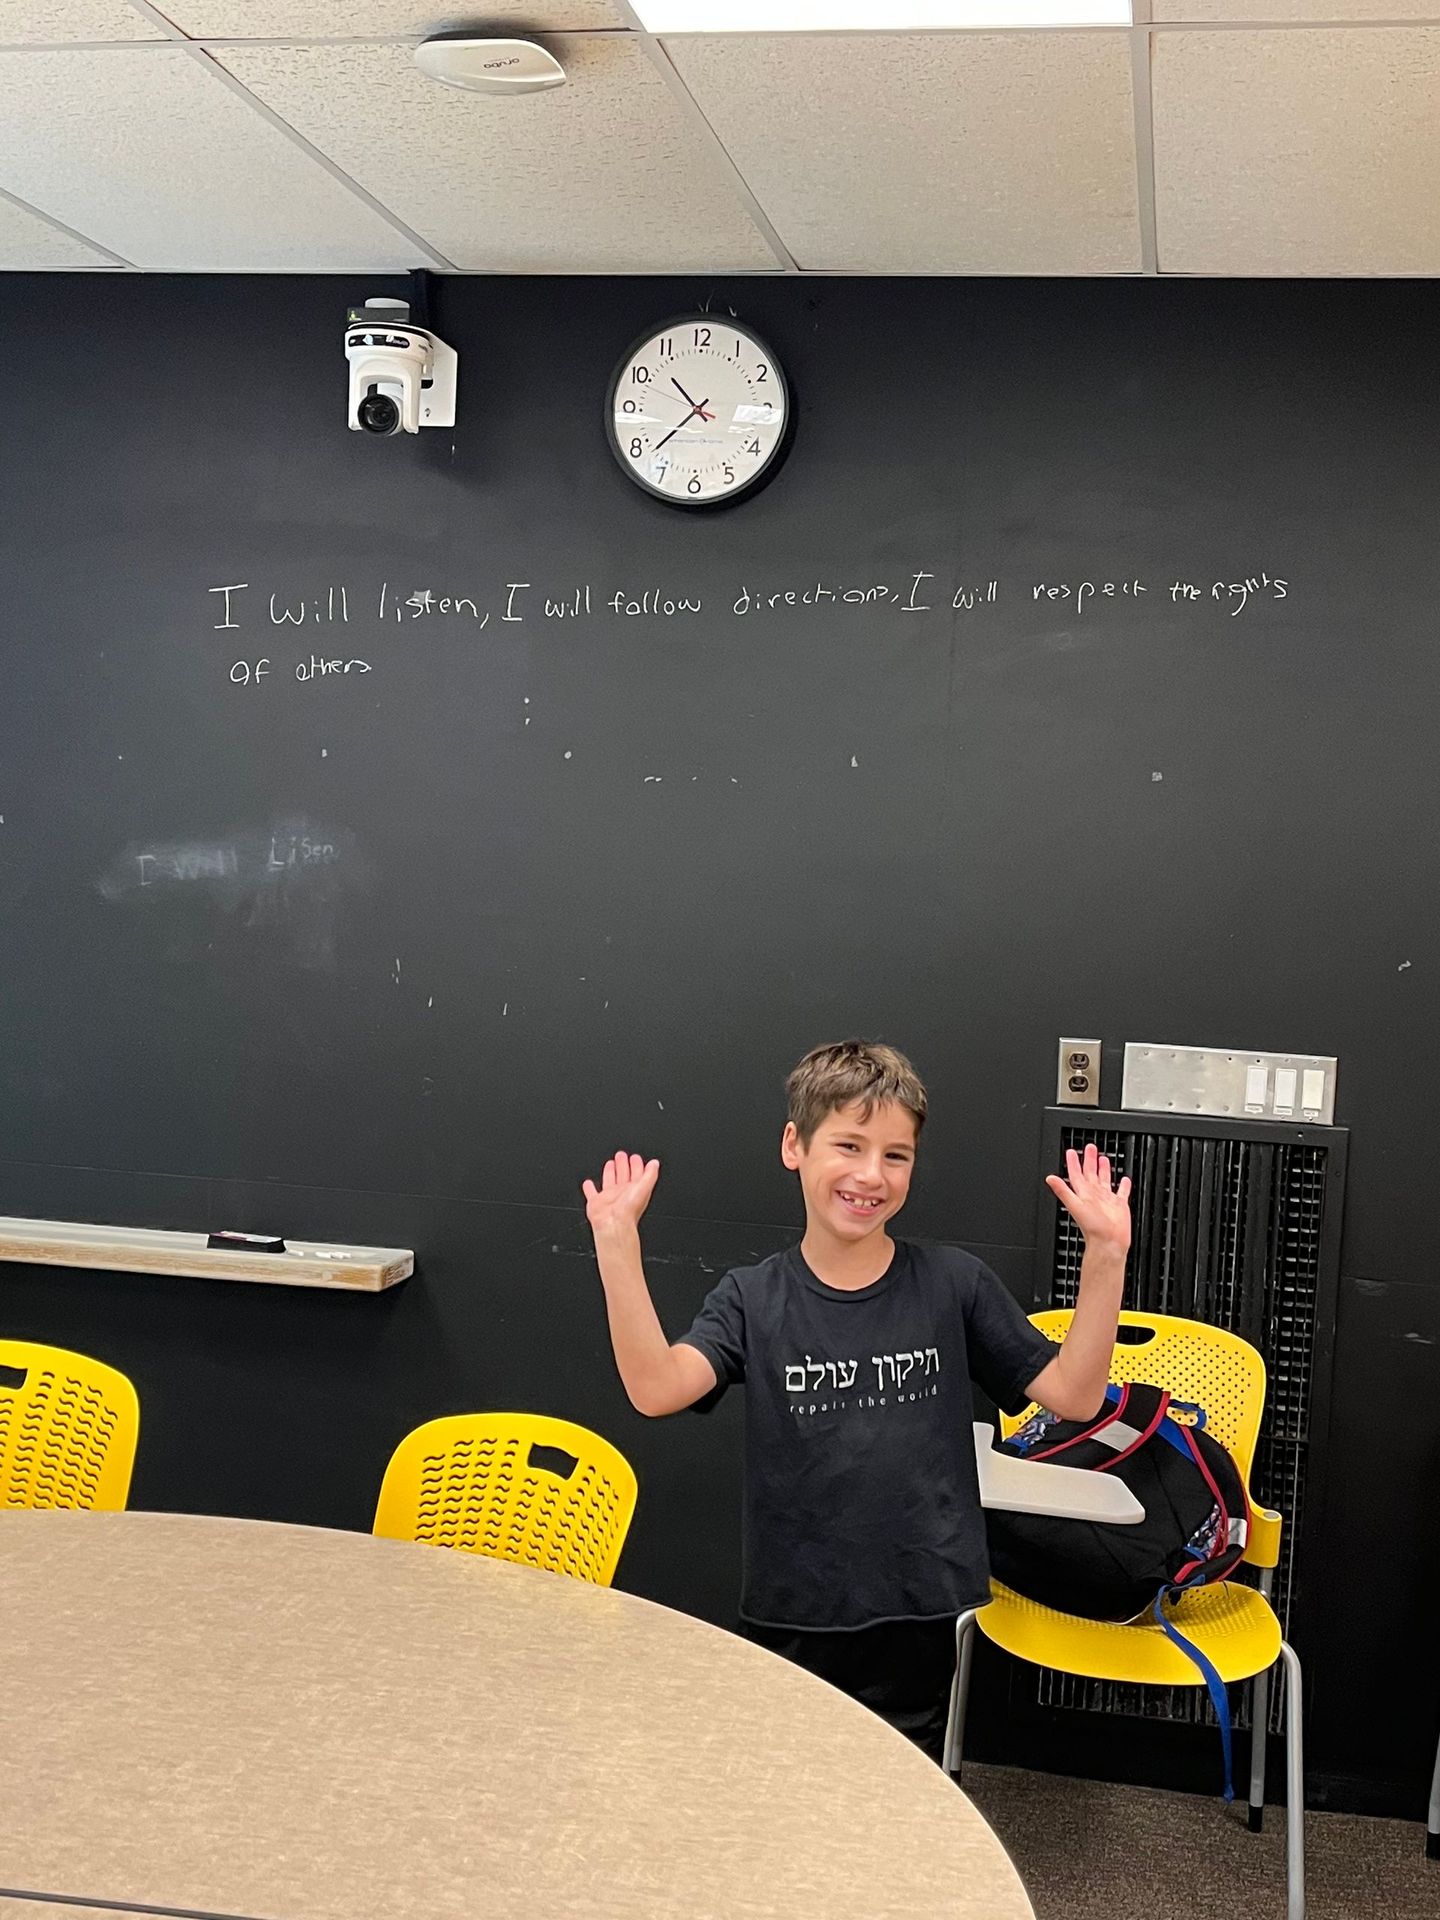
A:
[931, 153]
[155, 157]
[362, 19]
[1280, 10]
[29, 23]
[603, 175]
[1298, 152]
[27, 242]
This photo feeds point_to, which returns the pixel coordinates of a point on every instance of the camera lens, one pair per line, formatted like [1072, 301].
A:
[378, 413]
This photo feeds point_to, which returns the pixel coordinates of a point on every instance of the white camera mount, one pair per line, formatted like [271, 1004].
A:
[402, 376]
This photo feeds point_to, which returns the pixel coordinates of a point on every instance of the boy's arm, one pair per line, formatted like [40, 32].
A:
[1074, 1383]
[659, 1378]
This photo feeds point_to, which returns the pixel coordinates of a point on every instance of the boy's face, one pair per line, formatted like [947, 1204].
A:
[855, 1173]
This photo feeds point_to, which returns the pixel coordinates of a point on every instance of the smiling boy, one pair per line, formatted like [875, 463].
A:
[863, 1533]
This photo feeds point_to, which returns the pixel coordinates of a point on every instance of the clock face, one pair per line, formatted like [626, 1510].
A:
[697, 411]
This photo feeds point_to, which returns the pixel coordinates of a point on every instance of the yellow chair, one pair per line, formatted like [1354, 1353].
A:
[516, 1486]
[1233, 1625]
[68, 1428]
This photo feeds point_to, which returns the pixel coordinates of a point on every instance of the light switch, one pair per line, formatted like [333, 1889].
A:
[1250, 1082]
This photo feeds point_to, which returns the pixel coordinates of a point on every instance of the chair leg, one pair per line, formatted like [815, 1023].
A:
[1432, 1825]
[1294, 1784]
[1259, 1715]
[960, 1691]
[1259, 1727]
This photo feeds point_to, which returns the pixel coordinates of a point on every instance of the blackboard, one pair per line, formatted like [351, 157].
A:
[1077, 674]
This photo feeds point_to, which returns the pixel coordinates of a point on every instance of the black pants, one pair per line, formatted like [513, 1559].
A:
[900, 1669]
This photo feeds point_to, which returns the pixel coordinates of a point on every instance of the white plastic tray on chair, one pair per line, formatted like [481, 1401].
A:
[1040, 1486]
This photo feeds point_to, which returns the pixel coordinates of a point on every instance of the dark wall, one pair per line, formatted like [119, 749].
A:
[720, 838]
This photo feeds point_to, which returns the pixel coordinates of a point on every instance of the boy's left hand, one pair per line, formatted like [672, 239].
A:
[1101, 1212]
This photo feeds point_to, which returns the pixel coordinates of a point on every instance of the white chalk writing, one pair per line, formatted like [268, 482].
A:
[317, 669]
[296, 613]
[924, 591]
[652, 600]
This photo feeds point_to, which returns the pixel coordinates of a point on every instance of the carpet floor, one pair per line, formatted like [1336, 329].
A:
[1088, 1851]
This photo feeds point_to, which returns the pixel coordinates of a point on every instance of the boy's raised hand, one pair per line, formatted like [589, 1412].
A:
[623, 1193]
[1101, 1212]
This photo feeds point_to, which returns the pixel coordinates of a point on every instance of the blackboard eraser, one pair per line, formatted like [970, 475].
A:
[246, 1242]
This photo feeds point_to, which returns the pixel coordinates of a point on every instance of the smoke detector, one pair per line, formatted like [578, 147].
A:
[482, 65]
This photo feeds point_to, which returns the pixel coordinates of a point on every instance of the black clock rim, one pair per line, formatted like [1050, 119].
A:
[735, 494]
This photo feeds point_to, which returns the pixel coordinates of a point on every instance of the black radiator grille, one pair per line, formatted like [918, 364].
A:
[1238, 1227]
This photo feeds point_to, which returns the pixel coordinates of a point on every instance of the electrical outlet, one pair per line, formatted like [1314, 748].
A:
[1078, 1079]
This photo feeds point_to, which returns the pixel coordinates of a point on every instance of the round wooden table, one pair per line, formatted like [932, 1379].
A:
[229, 1717]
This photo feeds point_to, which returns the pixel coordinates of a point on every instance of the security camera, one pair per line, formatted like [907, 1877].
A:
[402, 377]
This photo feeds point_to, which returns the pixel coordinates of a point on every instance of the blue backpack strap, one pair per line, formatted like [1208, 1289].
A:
[1173, 1434]
[1214, 1685]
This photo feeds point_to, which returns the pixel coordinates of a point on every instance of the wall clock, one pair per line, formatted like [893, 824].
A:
[698, 412]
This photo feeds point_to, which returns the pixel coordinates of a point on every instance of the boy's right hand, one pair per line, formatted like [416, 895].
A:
[623, 1193]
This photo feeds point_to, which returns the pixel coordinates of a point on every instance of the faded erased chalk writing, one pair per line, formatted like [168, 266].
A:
[155, 867]
[288, 881]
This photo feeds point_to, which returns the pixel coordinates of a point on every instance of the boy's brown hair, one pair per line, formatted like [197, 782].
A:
[833, 1076]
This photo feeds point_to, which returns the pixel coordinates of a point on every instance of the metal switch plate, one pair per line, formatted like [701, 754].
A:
[1260, 1086]
[1077, 1080]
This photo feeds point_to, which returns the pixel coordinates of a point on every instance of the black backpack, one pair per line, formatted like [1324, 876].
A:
[1194, 1531]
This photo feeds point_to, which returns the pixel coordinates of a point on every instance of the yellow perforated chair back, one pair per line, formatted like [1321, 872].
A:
[68, 1428]
[515, 1486]
[1209, 1365]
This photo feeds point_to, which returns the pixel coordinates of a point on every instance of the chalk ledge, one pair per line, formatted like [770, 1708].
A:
[304, 1263]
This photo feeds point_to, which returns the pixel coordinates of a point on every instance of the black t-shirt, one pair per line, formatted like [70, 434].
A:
[861, 1497]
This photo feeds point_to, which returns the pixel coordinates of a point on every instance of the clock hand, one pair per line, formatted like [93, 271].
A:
[674, 430]
[694, 409]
